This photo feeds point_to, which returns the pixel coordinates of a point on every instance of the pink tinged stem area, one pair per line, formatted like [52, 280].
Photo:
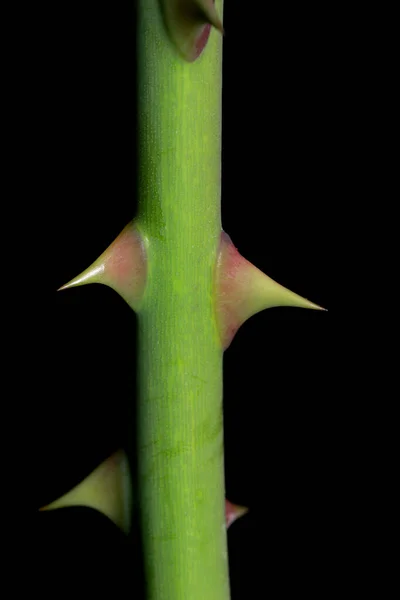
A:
[123, 267]
[188, 23]
[233, 512]
[242, 290]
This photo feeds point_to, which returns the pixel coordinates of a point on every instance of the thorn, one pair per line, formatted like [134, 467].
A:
[122, 267]
[233, 512]
[188, 23]
[208, 14]
[107, 489]
[92, 274]
[243, 290]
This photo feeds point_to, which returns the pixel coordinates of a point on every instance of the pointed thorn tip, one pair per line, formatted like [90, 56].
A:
[317, 307]
[73, 283]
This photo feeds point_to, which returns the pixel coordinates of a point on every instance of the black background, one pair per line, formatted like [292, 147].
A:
[281, 174]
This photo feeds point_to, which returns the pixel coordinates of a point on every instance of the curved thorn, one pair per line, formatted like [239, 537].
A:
[233, 512]
[122, 267]
[107, 489]
[188, 23]
[243, 290]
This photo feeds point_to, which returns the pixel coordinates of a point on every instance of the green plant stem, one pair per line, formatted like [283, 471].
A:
[180, 426]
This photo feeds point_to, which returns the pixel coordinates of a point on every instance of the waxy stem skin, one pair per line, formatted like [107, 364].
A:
[180, 426]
